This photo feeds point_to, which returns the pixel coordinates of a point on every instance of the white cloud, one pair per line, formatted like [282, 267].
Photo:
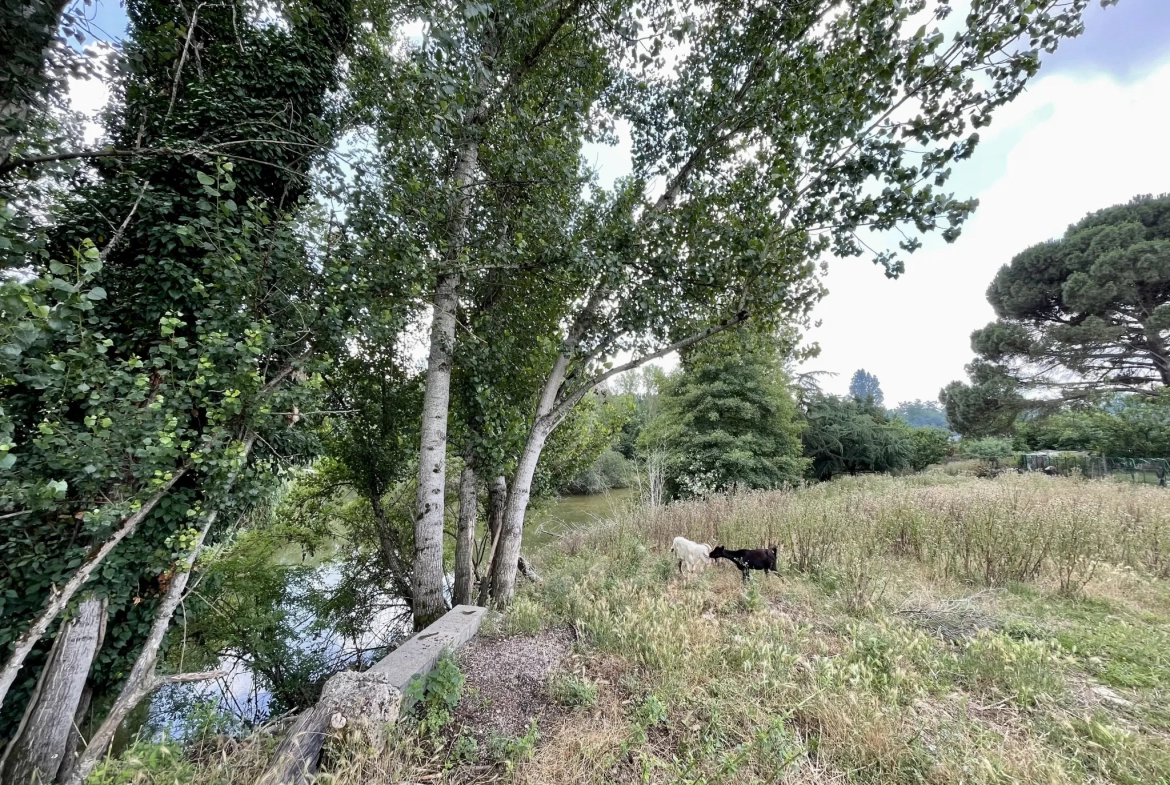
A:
[1067, 147]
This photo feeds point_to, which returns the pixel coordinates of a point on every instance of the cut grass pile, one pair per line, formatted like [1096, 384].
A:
[931, 629]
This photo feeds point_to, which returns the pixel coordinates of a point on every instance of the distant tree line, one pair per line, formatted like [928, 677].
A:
[730, 417]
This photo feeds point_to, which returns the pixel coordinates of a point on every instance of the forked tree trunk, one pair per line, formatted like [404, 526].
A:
[143, 680]
[497, 504]
[36, 752]
[58, 601]
[427, 572]
[552, 409]
[465, 538]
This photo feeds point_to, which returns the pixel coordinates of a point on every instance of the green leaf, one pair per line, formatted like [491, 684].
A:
[96, 293]
[205, 179]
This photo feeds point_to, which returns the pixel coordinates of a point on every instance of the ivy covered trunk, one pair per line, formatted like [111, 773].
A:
[183, 311]
[36, 752]
[497, 507]
[27, 33]
[143, 679]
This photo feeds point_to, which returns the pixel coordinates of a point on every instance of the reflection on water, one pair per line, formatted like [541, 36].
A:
[240, 696]
[551, 522]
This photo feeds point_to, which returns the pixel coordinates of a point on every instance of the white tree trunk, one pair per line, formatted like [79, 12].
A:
[142, 680]
[38, 749]
[427, 572]
[508, 551]
[465, 538]
[57, 602]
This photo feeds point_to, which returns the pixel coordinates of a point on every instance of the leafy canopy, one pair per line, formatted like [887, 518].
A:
[728, 419]
[846, 436]
[864, 386]
[921, 414]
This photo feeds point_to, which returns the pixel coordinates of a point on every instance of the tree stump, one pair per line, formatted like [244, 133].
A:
[367, 700]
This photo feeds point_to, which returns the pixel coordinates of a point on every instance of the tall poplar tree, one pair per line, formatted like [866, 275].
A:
[766, 135]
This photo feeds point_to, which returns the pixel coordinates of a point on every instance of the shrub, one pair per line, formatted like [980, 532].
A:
[431, 700]
[991, 449]
[928, 447]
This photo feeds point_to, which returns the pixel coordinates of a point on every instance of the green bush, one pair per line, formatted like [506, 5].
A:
[991, 449]
[928, 446]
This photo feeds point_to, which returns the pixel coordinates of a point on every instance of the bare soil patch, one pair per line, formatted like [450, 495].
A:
[506, 683]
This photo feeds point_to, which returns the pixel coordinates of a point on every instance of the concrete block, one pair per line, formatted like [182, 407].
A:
[418, 655]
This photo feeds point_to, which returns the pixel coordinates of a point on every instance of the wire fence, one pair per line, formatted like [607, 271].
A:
[1148, 471]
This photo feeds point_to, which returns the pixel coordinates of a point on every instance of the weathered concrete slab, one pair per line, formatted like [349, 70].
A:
[418, 655]
[372, 698]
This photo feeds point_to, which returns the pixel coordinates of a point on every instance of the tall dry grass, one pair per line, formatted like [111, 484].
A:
[986, 532]
[704, 680]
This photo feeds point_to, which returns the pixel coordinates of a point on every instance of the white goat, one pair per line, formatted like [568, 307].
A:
[693, 555]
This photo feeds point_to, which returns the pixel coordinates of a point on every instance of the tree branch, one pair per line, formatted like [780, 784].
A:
[568, 402]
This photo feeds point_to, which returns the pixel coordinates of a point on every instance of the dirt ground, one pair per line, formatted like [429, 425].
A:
[506, 684]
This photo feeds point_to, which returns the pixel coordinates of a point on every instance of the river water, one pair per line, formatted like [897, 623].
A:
[237, 699]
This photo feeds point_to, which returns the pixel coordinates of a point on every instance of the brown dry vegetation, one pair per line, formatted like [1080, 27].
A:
[934, 629]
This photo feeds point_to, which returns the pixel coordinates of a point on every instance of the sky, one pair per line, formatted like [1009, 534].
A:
[1089, 132]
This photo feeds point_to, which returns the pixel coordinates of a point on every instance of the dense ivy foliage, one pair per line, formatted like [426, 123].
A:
[168, 306]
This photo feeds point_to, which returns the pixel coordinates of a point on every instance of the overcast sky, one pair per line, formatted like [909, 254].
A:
[1089, 132]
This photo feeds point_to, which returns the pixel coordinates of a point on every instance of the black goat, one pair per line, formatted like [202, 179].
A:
[759, 559]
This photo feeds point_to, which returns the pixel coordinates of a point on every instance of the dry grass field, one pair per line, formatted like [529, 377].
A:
[933, 629]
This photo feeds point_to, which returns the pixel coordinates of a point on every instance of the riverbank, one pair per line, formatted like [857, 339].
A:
[927, 629]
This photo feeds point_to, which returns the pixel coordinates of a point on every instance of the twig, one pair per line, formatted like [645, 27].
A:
[182, 60]
[125, 222]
